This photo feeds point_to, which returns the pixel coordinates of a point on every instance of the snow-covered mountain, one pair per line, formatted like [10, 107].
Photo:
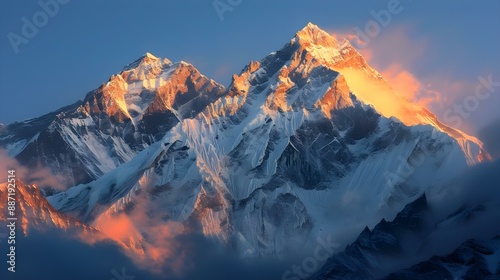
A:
[291, 151]
[419, 244]
[113, 123]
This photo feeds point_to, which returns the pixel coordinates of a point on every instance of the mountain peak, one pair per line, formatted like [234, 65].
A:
[312, 34]
[311, 27]
[145, 59]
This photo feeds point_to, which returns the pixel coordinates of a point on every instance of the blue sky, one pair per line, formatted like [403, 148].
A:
[87, 41]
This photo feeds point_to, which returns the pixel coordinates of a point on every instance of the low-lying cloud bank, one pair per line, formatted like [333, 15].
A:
[41, 176]
[54, 255]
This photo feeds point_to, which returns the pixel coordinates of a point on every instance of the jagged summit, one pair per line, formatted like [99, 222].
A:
[313, 35]
[311, 28]
[151, 85]
[120, 118]
[146, 59]
[149, 55]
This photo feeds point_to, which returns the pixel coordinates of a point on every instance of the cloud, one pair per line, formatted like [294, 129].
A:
[348, 35]
[397, 44]
[41, 176]
[490, 135]
[398, 64]
[405, 84]
[54, 255]
[476, 187]
[222, 72]
[394, 64]
[379, 95]
[210, 262]
[438, 230]
[148, 240]
[412, 71]
[478, 184]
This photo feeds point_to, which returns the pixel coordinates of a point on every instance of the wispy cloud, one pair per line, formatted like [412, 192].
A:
[36, 175]
[490, 134]
[403, 59]
[222, 72]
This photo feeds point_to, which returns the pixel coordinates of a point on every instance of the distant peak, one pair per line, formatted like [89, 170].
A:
[145, 59]
[311, 26]
[312, 34]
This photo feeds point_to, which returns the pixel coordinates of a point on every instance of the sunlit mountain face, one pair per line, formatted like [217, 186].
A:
[308, 148]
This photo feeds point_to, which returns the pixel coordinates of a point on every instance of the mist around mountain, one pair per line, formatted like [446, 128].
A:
[453, 236]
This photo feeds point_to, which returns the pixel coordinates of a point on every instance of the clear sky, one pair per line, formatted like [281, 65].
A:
[445, 45]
